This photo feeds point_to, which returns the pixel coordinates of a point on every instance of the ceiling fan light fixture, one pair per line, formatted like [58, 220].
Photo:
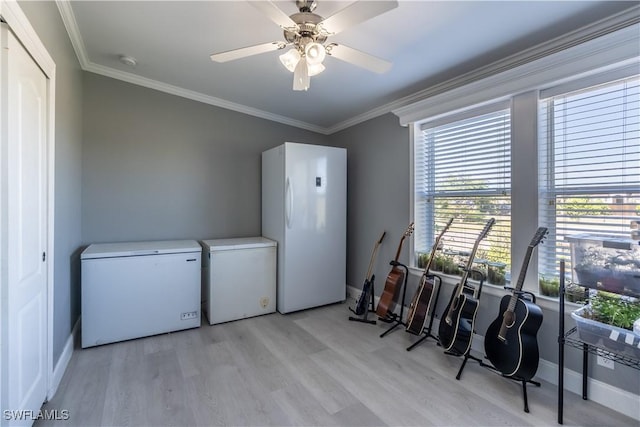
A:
[315, 53]
[301, 80]
[307, 32]
[315, 69]
[290, 59]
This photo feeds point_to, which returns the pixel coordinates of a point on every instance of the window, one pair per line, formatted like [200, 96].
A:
[589, 161]
[462, 170]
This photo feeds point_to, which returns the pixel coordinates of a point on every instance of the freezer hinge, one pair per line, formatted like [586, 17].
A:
[44, 256]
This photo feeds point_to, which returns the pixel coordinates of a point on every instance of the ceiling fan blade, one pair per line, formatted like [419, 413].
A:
[271, 11]
[361, 59]
[243, 52]
[356, 13]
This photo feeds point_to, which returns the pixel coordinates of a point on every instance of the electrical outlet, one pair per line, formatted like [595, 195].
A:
[189, 315]
[607, 363]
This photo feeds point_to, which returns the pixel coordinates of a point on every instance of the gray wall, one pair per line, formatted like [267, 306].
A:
[157, 166]
[378, 199]
[45, 19]
[378, 195]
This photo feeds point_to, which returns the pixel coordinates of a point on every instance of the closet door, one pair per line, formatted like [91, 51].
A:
[27, 227]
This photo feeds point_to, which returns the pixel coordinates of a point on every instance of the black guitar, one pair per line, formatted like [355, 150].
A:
[456, 328]
[510, 342]
[365, 296]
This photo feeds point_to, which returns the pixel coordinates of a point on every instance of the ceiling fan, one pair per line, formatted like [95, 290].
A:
[308, 32]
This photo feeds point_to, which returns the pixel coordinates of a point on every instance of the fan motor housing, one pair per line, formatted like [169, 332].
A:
[307, 28]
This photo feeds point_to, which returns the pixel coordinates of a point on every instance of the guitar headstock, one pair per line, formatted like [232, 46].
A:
[541, 233]
[409, 231]
[486, 228]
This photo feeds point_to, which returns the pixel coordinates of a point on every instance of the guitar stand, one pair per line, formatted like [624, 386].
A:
[517, 379]
[426, 332]
[466, 355]
[395, 318]
[369, 307]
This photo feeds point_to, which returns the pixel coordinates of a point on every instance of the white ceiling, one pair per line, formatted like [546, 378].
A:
[428, 42]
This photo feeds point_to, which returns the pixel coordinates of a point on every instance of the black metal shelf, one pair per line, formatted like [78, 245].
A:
[575, 342]
[570, 339]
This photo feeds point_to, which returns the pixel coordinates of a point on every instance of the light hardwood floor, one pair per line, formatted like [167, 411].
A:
[308, 368]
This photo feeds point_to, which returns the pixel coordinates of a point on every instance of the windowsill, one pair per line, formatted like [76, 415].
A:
[544, 302]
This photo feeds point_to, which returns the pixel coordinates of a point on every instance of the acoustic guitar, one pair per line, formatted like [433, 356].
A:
[421, 302]
[365, 296]
[392, 286]
[456, 329]
[510, 342]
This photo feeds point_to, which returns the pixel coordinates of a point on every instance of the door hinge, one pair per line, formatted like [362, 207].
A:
[44, 256]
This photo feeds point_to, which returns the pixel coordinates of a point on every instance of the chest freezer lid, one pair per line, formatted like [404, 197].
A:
[128, 249]
[237, 243]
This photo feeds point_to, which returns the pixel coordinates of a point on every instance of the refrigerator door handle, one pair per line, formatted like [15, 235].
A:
[289, 207]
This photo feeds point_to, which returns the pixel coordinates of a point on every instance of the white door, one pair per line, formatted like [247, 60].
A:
[27, 233]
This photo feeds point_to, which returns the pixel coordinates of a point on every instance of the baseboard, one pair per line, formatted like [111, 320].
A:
[612, 397]
[63, 361]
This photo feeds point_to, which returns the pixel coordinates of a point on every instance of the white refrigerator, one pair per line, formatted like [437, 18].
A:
[304, 207]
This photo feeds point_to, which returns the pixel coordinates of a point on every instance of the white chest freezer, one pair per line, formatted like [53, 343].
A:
[238, 278]
[133, 290]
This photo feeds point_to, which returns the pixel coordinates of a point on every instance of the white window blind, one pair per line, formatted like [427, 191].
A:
[463, 171]
[589, 165]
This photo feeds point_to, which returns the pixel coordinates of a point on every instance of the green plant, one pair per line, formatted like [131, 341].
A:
[549, 286]
[496, 274]
[450, 266]
[438, 263]
[614, 310]
[422, 259]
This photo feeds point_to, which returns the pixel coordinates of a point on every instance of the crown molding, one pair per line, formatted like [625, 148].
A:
[592, 31]
[197, 96]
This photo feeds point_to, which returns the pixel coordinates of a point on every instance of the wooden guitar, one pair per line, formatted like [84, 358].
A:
[365, 296]
[393, 283]
[421, 302]
[510, 342]
[456, 328]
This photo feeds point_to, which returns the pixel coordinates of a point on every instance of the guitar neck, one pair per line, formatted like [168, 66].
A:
[537, 238]
[432, 255]
[521, 277]
[399, 249]
[373, 255]
[406, 234]
[467, 270]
